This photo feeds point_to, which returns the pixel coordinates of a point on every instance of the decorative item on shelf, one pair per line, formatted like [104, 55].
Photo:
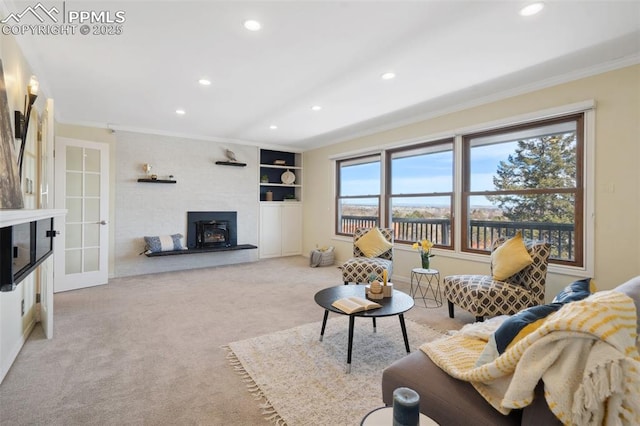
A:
[230, 155]
[280, 163]
[154, 177]
[268, 196]
[264, 179]
[290, 197]
[424, 248]
[288, 177]
[146, 167]
[231, 159]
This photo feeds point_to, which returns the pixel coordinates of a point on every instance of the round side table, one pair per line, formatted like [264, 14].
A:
[383, 416]
[427, 282]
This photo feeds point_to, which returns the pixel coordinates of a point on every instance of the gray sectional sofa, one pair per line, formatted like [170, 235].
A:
[452, 402]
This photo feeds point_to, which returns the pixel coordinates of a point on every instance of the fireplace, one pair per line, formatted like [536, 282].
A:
[212, 233]
[211, 229]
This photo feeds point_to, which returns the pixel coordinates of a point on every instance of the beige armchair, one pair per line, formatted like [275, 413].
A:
[360, 267]
[483, 296]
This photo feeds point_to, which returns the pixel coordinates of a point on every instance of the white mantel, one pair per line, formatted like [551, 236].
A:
[15, 217]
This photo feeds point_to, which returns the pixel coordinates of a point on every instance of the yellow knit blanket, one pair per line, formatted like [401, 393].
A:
[585, 353]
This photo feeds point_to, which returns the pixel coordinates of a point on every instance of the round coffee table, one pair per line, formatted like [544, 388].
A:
[398, 304]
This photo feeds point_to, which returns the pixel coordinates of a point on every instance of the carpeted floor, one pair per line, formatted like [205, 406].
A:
[302, 380]
[149, 349]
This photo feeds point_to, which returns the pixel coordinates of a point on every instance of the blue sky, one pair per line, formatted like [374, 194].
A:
[427, 173]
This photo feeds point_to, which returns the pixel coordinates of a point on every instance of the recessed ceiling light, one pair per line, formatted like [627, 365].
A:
[388, 75]
[532, 9]
[252, 25]
[204, 82]
[316, 107]
[273, 127]
[180, 112]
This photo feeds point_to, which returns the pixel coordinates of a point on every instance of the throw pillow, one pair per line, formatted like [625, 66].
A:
[510, 258]
[577, 290]
[373, 243]
[520, 325]
[164, 243]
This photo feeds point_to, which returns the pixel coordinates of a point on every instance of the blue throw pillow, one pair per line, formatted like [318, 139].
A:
[164, 243]
[575, 291]
[509, 329]
[518, 326]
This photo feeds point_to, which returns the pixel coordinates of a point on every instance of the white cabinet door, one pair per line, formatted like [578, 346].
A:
[280, 229]
[270, 230]
[291, 229]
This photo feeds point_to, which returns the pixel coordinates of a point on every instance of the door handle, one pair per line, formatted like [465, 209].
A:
[102, 222]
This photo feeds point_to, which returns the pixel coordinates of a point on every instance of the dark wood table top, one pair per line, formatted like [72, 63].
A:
[398, 304]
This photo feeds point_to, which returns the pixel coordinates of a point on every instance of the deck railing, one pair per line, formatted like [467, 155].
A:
[561, 236]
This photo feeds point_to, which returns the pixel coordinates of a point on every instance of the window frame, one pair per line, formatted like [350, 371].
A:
[388, 194]
[585, 170]
[361, 158]
[578, 190]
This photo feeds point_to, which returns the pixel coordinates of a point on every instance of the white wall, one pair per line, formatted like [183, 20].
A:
[14, 326]
[146, 209]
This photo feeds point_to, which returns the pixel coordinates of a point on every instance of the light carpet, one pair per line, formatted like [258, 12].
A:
[299, 380]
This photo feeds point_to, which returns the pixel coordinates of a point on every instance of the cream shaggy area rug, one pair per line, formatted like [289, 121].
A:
[299, 380]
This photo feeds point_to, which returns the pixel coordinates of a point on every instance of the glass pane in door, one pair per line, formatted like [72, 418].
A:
[82, 200]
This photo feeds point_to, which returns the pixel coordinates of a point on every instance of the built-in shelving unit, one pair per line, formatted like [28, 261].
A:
[273, 165]
[280, 222]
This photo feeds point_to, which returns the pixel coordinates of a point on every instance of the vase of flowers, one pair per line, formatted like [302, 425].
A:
[424, 248]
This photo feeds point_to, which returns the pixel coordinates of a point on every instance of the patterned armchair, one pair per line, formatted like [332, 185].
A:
[359, 267]
[483, 296]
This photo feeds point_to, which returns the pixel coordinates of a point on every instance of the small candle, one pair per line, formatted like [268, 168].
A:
[406, 407]
[384, 277]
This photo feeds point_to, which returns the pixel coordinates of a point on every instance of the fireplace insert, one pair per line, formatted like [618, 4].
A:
[212, 233]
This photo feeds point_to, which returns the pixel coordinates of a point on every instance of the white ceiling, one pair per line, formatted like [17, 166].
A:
[446, 54]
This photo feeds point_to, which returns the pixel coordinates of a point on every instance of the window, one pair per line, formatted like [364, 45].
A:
[358, 189]
[526, 178]
[421, 193]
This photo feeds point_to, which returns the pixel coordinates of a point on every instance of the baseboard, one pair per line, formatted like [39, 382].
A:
[6, 364]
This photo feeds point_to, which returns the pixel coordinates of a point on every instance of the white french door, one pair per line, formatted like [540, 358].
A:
[82, 187]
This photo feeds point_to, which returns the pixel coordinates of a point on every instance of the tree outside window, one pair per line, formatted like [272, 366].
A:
[527, 179]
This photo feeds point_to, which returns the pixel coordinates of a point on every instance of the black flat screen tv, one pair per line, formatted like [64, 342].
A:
[22, 248]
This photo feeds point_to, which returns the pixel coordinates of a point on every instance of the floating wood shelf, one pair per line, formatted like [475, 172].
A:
[231, 163]
[202, 250]
[157, 180]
